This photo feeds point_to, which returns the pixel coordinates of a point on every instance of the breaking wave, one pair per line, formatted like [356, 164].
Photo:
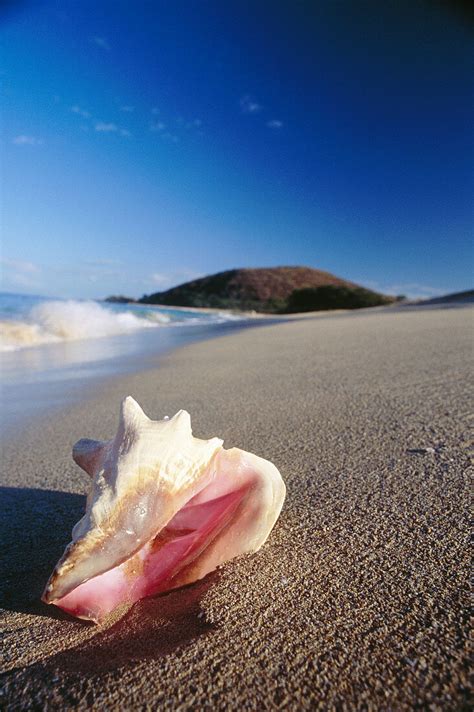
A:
[55, 321]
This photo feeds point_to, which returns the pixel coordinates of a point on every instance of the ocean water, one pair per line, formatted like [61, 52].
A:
[27, 321]
[53, 351]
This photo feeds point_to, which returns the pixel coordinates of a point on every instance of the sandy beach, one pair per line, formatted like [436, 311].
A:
[359, 598]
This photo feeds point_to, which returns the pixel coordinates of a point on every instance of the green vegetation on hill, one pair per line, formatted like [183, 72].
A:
[119, 299]
[271, 290]
[332, 297]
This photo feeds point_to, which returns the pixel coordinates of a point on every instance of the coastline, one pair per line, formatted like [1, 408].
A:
[43, 379]
[206, 310]
[360, 590]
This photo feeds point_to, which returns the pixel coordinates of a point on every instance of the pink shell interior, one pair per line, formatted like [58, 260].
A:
[155, 567]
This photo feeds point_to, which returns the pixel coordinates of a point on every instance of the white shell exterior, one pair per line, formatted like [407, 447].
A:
[147, 474]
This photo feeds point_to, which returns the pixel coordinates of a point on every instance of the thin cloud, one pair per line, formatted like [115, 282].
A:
[101, 42]
[20, 265]
[194, 124]
[110, 127]
[24, 140]
[127, 109]
[157, 126]
[164, 280]
[103, 263]
[275, 124]
[172, 138]
[414, 290]
[249, 106]
[104, 127]
[81, 112]
[20, 273]
[160, 279]
[93, 270]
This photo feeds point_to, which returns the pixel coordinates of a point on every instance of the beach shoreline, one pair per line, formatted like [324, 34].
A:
[40, 380]
[359, 594]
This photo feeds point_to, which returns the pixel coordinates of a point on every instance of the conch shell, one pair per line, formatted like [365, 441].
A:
[164, 509]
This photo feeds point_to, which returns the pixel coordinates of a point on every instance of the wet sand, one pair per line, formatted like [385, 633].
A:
[359, 598]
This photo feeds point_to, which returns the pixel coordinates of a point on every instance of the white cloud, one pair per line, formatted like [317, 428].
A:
[81, 112]
[159, 126]
[249, 105]
[275, 124]
[101, 42]
[127, 109]
[24, 140]
[104, 127]
[110, 127]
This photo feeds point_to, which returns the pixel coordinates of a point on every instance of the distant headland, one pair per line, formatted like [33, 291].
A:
[273, 290]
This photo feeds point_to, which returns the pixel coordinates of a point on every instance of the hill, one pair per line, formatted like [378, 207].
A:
[271, 290]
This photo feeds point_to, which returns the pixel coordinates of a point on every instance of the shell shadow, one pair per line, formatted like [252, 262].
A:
[153, 628]
[34, 527]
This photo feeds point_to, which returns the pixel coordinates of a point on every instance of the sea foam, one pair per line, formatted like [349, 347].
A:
[54, 321]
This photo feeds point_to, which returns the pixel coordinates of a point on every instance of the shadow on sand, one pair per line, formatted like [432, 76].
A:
[35, 526]
[152, 628]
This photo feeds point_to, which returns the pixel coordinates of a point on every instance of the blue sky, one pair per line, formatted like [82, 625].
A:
[147, 143]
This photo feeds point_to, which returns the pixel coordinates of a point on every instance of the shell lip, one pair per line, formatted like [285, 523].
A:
[92, 457]
[50, 596]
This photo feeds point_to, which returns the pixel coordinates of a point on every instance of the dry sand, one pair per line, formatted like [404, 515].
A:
[359, 598]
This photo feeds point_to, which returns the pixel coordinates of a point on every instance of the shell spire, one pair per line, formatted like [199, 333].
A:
[131, 414]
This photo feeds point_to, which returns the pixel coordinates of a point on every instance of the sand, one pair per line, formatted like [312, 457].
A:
[359, 598]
